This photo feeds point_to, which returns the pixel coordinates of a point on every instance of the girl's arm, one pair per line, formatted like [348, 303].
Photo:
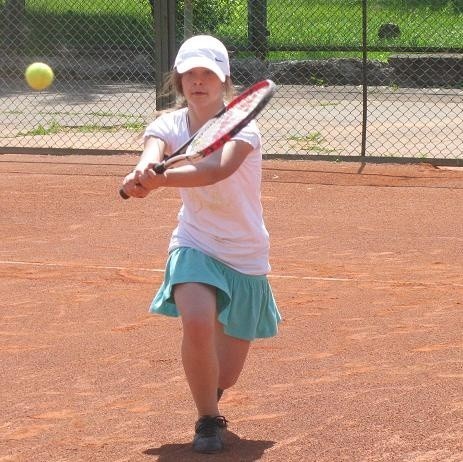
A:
[210, 170]
[153, 152]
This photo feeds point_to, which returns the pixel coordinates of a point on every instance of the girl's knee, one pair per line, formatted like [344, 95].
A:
[198, 330]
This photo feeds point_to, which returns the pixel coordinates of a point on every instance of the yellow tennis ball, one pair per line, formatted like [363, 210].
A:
[39, 76]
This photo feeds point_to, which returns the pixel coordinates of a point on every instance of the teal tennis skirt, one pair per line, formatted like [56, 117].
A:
[245, 303]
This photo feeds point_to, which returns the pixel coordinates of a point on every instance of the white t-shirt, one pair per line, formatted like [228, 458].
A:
[223, 220]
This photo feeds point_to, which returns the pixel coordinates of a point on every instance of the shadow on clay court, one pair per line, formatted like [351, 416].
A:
[235, 449]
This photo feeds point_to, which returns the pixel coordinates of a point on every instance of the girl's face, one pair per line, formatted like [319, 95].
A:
[202, 87]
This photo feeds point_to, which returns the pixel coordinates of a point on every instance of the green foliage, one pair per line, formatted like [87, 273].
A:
[338, 23]
[51, 25]
[455, 5]
[209, 14]
[314, 142]
[54, 24]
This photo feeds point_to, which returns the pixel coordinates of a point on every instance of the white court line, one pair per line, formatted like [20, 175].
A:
[307, 278]
[64, 265]
[151, 270]
[272, 276]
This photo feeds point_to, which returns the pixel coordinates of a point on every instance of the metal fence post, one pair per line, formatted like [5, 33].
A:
[14, 12]
[165, 47]
[188, 19]
[364, 76]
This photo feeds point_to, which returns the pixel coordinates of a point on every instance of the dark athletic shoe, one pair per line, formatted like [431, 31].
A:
[208, 437]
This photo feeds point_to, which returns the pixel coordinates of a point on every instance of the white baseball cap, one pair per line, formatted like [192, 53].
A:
[203, 51]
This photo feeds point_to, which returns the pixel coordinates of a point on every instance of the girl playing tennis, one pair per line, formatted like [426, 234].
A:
[215, 276]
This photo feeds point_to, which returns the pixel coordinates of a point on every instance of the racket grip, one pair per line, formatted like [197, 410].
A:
[123, 194]
[158, 168]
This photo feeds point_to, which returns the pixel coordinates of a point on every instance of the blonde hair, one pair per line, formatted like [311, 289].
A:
[172, 88]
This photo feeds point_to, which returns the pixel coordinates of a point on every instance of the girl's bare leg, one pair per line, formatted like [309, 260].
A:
[231, 353]
[197, 305]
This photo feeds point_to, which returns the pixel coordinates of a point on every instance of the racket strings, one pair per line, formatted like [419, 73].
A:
[229, 119]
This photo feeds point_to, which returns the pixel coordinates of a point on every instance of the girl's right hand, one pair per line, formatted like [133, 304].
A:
[152, 153]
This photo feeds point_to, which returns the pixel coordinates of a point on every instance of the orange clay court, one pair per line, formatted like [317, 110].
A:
[368, 274]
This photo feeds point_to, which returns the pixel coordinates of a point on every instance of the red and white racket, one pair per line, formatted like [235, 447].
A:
[221, 128]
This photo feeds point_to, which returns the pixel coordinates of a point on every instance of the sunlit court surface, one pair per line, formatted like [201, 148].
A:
[367, 267]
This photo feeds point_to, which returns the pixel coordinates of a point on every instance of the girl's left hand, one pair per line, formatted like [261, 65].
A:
[150, 180]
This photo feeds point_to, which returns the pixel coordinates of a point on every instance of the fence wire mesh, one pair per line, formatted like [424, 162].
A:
[389, 72]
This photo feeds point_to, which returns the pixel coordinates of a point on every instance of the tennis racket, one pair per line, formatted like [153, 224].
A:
[221, 128]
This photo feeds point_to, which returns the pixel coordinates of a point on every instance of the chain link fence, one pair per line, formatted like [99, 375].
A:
[373, 79]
